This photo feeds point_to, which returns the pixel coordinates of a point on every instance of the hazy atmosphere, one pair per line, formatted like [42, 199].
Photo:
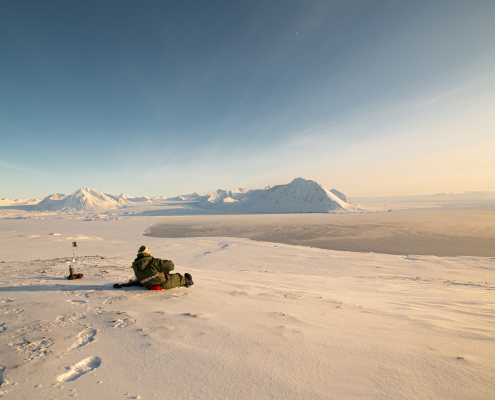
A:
[157, 98]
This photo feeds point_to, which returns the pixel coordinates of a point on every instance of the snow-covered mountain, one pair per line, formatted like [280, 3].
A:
[82, 199]
[186, 197]
[299, 196]
[225, 196]
[125, 198]
[50, 202]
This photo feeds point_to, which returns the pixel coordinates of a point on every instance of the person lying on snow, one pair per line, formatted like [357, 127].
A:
[153, 273]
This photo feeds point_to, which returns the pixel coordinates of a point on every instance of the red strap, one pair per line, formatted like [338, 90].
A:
[157, 287]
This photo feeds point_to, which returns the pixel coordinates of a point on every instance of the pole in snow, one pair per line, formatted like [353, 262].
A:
[74, 245]
[72, 274]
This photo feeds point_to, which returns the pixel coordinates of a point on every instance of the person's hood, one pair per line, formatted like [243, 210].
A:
[142, 261]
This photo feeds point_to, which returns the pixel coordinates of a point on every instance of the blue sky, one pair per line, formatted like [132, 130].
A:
[161, 98]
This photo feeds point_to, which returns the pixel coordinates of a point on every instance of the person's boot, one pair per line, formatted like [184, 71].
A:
[189, 281]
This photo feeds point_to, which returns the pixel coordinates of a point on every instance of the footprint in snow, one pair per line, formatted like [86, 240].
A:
[77, 302]
[79, 369]
[33, 350]
[82, 295]
[193, 315]
[70, 319]
[124, 322]
[111, 300]
[3, 381]
[280, 314]
[236, 293]
[292, 296]
[84, 337]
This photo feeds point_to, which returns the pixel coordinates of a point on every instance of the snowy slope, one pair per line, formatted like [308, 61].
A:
[228, 196]
[299, 196]
[341, 196]
[263, 320]
[186, 197]
[50, 202]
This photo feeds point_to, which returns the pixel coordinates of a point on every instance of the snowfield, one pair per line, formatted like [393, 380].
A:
[263, 320]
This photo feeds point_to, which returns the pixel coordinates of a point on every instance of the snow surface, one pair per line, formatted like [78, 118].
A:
[262, 321]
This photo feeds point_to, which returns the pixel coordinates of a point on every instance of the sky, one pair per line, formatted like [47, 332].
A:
[162, 98]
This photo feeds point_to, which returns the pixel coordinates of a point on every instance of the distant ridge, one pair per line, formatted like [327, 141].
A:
[186, 197]
[18, 202]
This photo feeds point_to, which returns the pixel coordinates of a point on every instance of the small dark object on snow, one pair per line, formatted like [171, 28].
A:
[128, 284]
[189, 281]
[75, 276]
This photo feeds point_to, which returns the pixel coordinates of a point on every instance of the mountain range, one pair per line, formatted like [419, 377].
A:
[299, 196]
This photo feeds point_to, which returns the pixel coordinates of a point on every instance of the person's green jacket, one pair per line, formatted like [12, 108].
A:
[151, 271]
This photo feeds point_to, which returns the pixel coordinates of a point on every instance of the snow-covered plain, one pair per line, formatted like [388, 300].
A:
[439, 231]
[263, 320]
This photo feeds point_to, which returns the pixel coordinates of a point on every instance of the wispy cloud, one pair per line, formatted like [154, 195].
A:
[476, 83]
[21, 168]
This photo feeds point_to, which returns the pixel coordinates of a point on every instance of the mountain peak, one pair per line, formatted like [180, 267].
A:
[299, 196]
[82, 199]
